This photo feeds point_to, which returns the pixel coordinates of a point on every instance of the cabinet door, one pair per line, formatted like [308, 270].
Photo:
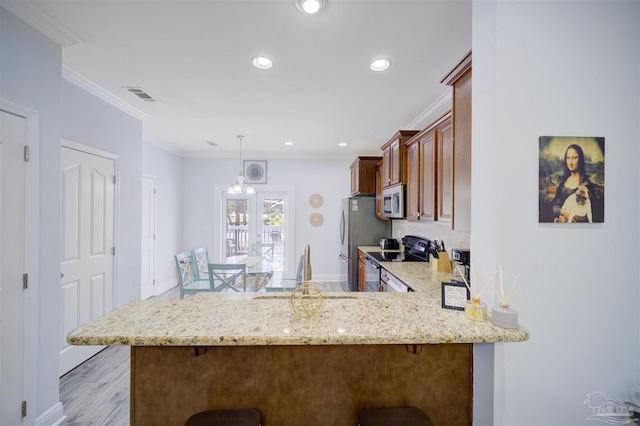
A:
[413, 182]
[362, 273]
[395, 169]
[355, 179]
[386, 167]
[445, 172]
[427, 194]
[379, 198]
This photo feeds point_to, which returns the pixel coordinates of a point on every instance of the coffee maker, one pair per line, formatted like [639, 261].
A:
[463, 259]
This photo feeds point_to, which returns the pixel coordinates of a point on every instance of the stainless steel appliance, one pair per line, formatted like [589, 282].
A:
[372, 275]
[393, 202]
[388, 244]
[359, 227]
[416, 249]
[463, 258]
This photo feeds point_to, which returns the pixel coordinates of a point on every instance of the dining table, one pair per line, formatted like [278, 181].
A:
[261, 271]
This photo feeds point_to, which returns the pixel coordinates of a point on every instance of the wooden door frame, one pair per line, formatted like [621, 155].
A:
[32, 260]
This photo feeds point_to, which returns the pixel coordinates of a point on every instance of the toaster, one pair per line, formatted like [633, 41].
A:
[389, 244]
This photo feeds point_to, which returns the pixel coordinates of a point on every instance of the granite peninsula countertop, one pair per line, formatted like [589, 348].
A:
[254, 319]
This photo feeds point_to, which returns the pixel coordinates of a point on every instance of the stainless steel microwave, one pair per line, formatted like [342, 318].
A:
[393, 204]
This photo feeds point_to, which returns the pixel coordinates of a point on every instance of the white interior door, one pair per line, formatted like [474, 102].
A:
[86, 285]
[12, 266]
[148, 237]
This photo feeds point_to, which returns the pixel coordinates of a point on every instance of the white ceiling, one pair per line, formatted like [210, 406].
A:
[195, 58]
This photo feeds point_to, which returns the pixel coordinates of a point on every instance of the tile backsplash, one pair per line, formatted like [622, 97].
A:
[452, 239]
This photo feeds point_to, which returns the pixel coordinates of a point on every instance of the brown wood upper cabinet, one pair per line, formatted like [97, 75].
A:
[379, 198]
[363, 175]
[394, 153]
[430, 173]
[460, 79]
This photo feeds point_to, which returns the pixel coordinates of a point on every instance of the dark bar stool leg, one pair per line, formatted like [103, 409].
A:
[393, 416]
[247, 417]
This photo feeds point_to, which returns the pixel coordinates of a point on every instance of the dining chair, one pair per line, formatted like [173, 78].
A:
[263, 249]
[186, 268]
[201, 258]
[226, 276]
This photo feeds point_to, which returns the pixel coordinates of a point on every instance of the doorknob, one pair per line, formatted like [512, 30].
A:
[61, 275]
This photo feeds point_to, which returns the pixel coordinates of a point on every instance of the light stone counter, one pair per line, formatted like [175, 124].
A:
[250, 319]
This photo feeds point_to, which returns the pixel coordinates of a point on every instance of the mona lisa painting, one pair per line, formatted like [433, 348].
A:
[571, 179]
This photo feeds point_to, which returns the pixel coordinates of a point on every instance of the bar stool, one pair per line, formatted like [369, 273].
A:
[393, 416]
[246, 417]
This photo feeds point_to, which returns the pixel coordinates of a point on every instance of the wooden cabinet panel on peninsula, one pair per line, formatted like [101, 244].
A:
[363, 175]
[430, 173]
[460, 79]
[394, 153]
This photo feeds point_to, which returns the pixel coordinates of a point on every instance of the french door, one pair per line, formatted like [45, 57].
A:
[263, 217]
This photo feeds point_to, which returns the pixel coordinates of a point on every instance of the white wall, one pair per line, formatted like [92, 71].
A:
[327, 178]
[166, 168]
[89, 121]
[558, 68]
[30, 76]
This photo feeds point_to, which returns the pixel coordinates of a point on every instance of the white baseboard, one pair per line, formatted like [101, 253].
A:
[52, 417]
[161, 288]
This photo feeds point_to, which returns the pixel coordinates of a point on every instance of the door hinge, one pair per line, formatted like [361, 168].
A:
[26, 153]
[114, 179]
[154, 282]
[25, 281]
[113, 251]
[154, 236]
[24, 408]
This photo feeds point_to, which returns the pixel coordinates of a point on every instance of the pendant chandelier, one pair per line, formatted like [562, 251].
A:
[239, 187]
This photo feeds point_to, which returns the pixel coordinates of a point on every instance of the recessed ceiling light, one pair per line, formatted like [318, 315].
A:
[262, 63]
[288, 143]
[380, 65]
[310, 7]
[343, 144]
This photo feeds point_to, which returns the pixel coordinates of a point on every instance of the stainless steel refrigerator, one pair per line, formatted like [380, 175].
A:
[359, 227]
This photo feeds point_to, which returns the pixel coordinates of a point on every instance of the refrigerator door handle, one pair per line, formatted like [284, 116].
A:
[342, 227]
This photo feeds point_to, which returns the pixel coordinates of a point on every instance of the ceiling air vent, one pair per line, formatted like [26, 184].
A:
[141, 94]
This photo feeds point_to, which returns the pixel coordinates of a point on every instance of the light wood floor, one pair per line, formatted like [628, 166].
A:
[97, 391]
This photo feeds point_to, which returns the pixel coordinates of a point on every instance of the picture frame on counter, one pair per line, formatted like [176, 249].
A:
[455, 295]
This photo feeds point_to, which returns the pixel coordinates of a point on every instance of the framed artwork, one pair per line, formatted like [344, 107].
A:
[571, 179]
[255, 171]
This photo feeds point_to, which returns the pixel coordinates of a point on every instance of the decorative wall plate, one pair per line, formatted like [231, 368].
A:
[316, 219]
[315, 200]
[255, 171]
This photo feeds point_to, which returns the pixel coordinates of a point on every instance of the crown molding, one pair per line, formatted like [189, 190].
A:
[43, 22]
[437, 109]
[83, 82]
